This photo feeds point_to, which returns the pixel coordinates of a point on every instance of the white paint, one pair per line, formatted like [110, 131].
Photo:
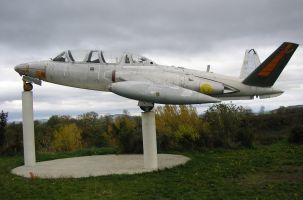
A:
[28, 129]
[149, 140]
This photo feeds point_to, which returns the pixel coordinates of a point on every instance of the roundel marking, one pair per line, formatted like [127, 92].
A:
[206, 88]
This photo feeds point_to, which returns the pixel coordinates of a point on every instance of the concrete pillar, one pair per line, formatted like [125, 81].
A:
[149, 140]
[28, 129]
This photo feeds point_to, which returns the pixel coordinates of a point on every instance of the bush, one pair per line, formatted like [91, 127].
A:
[178, 126]
[124, 133]
[225, 121]
[43, 136]
[245, 137]
[67, 138]
[92, 128]
[186, 136]
[13, 139]
[296, 135]
[3, 123]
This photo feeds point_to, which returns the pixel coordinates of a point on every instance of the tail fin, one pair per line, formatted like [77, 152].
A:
[268, 71]
[250, 63]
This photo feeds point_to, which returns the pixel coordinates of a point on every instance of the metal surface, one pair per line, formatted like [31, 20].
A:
[140, 78]
[32, 80]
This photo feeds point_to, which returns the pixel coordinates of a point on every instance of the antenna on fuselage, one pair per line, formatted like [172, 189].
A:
[208, 68]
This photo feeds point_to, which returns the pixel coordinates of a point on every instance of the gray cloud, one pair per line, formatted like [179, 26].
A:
[147, 25]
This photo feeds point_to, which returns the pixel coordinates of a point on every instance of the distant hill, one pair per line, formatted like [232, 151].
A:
[282, 108]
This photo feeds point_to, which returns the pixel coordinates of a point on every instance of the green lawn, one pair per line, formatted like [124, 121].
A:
[266, 172]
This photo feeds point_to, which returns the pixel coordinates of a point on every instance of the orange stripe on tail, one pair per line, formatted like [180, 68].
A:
[274, 62]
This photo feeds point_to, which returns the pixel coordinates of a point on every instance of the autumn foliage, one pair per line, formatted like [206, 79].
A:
[178, 128]
[67, 138]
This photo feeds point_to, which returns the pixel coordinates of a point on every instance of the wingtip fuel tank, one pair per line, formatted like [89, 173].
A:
[163, 94]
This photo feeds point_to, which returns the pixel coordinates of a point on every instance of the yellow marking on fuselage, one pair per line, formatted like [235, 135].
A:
[206, 88]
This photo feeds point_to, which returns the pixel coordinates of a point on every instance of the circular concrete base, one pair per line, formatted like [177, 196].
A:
[96, 166]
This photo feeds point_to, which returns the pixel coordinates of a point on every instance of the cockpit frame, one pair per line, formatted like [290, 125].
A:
[97, 56]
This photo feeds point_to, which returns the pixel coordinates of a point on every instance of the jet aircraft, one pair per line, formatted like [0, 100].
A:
[139, 78]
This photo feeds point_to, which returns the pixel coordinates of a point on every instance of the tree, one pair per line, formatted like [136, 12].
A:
[92, 129]
[67, 138]
[244, 134]
[186, 135]
[43, 136]
[296, 135]
[55, 121]
[224, 121]
[13, 138]
[178, 126]
[108, 135]
[128, 132]
[3, 123]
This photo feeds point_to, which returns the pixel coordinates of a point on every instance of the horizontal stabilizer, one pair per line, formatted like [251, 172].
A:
[156, 93]
[268, 72]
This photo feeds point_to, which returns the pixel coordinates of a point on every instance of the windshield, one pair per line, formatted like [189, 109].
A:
[62, 57]
[111, 57]
[97, 56]
[93, 57]
[141, 60]
[78, 55]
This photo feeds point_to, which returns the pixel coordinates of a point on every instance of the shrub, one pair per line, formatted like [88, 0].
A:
[177, 126]
[245, 137]
[3, 123]
[92, 129]
[43, 136]
[186, 136]
[67, 138]
[13, 139]
[124, 133]
[224, 121]
[296, 135]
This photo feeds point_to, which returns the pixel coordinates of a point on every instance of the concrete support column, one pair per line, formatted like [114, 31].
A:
[28, 129]
[149, 140]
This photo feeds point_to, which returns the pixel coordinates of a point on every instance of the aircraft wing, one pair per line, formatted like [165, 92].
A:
[159, 93]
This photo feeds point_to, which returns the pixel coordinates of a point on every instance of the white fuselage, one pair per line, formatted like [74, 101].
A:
[139, 78]
[97, 76]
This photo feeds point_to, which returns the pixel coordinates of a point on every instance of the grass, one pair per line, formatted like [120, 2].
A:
[266, 172]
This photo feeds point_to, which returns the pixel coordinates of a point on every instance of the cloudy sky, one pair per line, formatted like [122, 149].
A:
[187, 33]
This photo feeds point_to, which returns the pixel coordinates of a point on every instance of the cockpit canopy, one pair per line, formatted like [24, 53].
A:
[96, 56]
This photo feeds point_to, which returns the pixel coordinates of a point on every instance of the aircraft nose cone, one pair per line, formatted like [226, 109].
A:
[21, 69]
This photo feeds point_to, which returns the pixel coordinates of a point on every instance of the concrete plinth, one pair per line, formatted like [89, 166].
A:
[149, 140]
[96, 166]
[28, 129]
